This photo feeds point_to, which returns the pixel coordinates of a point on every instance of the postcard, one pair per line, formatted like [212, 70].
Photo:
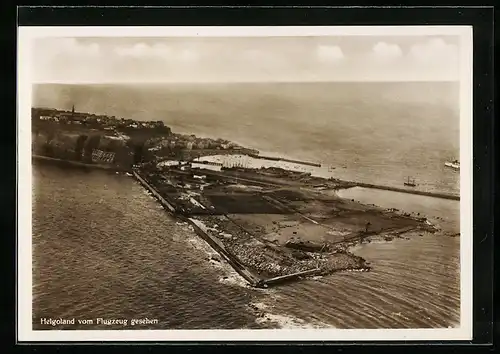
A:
[245, 183]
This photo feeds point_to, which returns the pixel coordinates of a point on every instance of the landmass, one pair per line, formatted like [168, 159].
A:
[116, 141]
[272, 225]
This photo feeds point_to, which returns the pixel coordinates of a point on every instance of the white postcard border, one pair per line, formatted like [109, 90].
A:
[25, 333]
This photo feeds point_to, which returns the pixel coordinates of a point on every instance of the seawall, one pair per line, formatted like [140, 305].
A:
[219, 248]
[146, 185]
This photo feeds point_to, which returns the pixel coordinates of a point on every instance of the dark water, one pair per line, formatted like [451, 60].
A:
[377, 133]
[104, 248]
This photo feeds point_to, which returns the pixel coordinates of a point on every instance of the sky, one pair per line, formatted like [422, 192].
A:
[245, 59]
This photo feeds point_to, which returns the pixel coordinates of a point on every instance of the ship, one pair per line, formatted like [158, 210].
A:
[455, 164]
[410, 183]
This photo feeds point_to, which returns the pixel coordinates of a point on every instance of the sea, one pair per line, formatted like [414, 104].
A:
[104, 248]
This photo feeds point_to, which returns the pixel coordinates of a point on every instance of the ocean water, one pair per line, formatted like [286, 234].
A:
[378, 133]
[102, 247]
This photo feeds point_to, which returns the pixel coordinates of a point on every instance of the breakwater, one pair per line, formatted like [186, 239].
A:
[255, 156]
[404, 190]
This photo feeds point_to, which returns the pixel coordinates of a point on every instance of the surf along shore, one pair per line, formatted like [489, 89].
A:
[271, 225]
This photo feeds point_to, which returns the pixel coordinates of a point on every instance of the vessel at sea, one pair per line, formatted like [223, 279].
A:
[455, 164]
[410, 183]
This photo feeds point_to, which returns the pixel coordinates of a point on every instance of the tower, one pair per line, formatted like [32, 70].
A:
[73, 110]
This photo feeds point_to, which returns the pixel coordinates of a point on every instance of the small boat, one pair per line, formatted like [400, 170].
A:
[455, 164]
[410, 183]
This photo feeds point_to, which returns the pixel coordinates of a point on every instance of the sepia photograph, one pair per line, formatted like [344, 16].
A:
[245, 183]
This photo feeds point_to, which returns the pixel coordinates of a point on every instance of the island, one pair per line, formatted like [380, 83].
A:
[271, 224]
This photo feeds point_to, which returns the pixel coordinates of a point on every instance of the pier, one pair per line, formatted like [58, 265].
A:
[404, 190]
[307, 163]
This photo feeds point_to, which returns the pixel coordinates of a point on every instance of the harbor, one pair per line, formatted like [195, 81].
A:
[259, 166]
[271, 229]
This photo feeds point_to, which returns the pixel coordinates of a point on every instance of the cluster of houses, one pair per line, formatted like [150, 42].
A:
[161, 143]
[97, 121]
[100, 156]
[191, 142]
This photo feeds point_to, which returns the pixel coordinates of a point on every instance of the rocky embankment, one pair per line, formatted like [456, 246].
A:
[271, 260]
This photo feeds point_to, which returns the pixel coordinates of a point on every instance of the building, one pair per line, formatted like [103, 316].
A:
[100, 156]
